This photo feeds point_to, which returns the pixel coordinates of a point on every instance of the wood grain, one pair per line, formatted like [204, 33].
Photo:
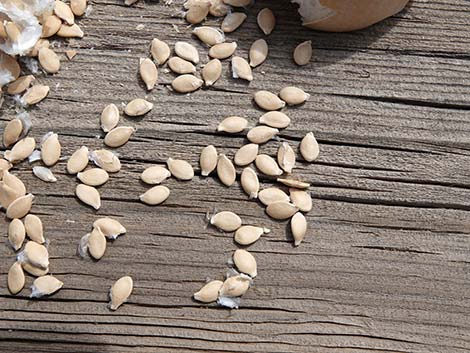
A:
[385, 266]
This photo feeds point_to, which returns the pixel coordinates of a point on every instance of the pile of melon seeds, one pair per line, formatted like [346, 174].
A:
[33, 257]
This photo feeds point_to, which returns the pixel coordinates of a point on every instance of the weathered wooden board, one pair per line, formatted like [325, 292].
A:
[385, 266]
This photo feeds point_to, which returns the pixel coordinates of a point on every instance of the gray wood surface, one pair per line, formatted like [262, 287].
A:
[385, 266]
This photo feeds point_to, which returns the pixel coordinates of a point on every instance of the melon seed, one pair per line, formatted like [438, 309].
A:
[21, 150]
[286, 157]
[78, 160]
[12, 132]
[155, 195]
[16, 278]
[267, 165]
[235, 286]
[258, 52]
[34, 228]
[232, 124]
[209, 35]
[226, 221]
[35, 254]
[160, 51]
[20, 207]
[34, 270]
[96, 244]
[266, 21]
[250, 182]
[109, 117]
[298, 225]
[225, 170]
[208, 160]
[293, 95]
[222, 50]
[106, 159]
[271, 195]
[14, 182]
[72, 31]
[63, 11]
[155, 175]
[138, 107]
[209, 292]
[93, 176]
[303, 53]
[45, 174]
[187, 51]
[309, 148]
[118, 136]
[245, 262]
[50, 26]
[275, 119]
[197, 13]
[45, 285]
[16, 234]
[88, 195]
[181, 66]
[268, 101]
[261, 134]
[301, 199]
[78, 7]
[180, 169]
[20, 85]
[7, 195]
[186, 83]
[149, 74]
[232, 21]
[246, 235]
[50, 149]
[294, 183]
[35, 94]
[49, 60]
[241, 69]
[281, 210]
[246, 154]
[110, 228]
[120, 292]
[211, 72]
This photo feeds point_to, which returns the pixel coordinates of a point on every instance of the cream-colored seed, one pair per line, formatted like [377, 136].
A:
[16, 278]
[225, 170]
[155, 195]
[232, 124]
[12, 132]
[148, 73]
[275, 119]
[246, 235]
[212, 72]
[39, 44]
[93, 177]
[78, 160]
[73, 31]
[34, 228]
[245, 262]
[258, 52]
[232, 21]
[266, 21]
[268, 101]
[208, 160]
[286, 157]
[293, 95]
[250, 182]
[34, 270]
[222, 50]
[246, 154]
[160, 51]
[16, 234]
[50, 26]
[118, 136]
[35, 254]
[88, 195]
[238, 3]
[120, 292]
[21, 150]
[20, 85]
[309, 148]
[187, 51]
[197, 13]
[186, 83]
[155, 175]
[267, 165]
[45, 174]
[261, 134]
[303, 53]
[106, 159]
[209, 35]
[298, 226]
[235, 286]
[63, 11]
[14, 182]
[294, 183]
[7, 195]
[271, 195]
[50, 149]
[209, 292]
[49, 60]
[35, 94]
[138, 107]
[281, 210]
[180, 169]
[226, 221]
[109, 227]
[181, 66]
[78, 7]
[13, 31]
[109, 117]
[45, 285]
[218, 8]
[301, 199]
[20, 207]
[241, 69]
[97, 244]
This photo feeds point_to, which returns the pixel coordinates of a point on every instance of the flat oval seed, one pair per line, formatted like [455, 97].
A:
[268, 101]
[155, 195]
[245, 262]
[14, 182]
[93, 176]
[16, 234]
[107, 160]
[232, 21]
[88, 195]
[78, 160]
[35, 254]
[109, 117]
[160, 51]
[286, 157]
[16, 278]
[118, 136]
[208, 160]
[222, 50]
[303, 53]
[72, 31]
[180, 169]
[148, 72]
[49, 60]
[78, 7]
[34, 228]
[281, 210]
[186, 83]
[7, 195]
[109, 227]
[218, 8]
[35, 94]
[50, 26]
[275, 119]
[96, 244]
[12, 132]
[209, 35]
[294, 183]
[309, 148]
[63, 11]
[197, 13]
[33, 270]
[226, 221]
[181, 66]
[267, 165]
[258, 52]
[250, 182]
[138, 107]
[232, 124]
[298, 225]
[271, 195]
[246, 154]
[21, 150]
[293, 95]
[187, 51]
[266, 21]
[45, 174]
[20, 207]
[50, 149]
[211, 72]
[261, 134]
[45, 285]
[241, 69]
[301, 199]
[235, 286]
[238, 3]
[155, 175]
[209, 292]
[20, 85]
[225, 170]
[246, 235]
[120, 292]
